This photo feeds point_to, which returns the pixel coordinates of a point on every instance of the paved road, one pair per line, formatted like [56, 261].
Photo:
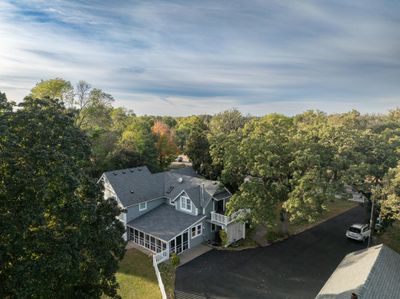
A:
[295, 268]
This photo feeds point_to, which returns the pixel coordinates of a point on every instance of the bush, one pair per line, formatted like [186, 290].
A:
[175, 260]
[274, 235]
[224, 237]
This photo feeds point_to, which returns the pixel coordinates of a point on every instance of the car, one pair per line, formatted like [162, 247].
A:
[359, 232]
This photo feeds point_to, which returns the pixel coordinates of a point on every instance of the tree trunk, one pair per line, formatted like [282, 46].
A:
[284, 222]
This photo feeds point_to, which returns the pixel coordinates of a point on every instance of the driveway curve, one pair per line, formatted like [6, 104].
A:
[297, 267]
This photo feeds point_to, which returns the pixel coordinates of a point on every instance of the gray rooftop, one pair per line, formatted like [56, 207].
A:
[164, 222]
[370, 273]
[135, 185]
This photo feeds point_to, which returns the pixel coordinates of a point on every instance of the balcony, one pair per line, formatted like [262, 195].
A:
[225, 220]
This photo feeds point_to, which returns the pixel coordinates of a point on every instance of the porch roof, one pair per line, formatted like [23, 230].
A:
[164, 222]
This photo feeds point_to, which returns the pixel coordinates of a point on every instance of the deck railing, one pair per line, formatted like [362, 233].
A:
[161, 256]
[225, 220]
[222, 219]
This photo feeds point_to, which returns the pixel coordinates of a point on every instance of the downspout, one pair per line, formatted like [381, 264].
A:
[202, 196]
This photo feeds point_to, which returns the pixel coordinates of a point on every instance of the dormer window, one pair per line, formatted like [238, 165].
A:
[186, 203]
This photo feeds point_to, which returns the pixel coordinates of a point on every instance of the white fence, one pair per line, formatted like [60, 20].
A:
[159, 279]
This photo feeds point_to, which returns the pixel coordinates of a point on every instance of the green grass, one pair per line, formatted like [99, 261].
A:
[136, 277]
[167, 271]
[391, 237]
[334, 208]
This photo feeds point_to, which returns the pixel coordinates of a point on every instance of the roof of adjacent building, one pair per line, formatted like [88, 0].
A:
[135, 185]
[164, 222]
[370, 273]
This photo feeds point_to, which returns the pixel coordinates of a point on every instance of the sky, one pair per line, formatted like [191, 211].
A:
[193, 57]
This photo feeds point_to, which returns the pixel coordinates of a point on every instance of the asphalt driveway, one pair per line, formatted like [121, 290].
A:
[295, 268]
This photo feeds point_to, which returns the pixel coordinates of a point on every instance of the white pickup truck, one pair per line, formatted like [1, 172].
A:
[359, 232]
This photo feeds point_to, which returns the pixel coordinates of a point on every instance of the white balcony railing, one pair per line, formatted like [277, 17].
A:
[225, 220]
[222, 219]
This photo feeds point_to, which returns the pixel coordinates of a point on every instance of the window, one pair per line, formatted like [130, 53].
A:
[186, 204]
[213, 227]
[143, 206]
[196, 231]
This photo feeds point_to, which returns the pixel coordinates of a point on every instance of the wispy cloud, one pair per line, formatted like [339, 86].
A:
[205, 56]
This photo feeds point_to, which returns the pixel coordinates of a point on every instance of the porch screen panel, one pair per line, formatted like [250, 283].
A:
[152, 243]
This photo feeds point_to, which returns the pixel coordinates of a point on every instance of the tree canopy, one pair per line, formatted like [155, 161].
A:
[60, 238]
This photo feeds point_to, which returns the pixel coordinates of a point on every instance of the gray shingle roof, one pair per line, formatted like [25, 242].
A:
[135, 185]
[164, 222]
[370, 273]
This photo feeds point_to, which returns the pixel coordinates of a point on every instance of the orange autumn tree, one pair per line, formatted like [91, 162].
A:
[165, 145]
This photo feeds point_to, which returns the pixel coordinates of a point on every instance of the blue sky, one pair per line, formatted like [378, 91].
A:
[191, 57]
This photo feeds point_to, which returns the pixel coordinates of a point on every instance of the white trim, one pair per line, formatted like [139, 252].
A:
[212, 197]
[224, 198]
[102, 176]
[197, 234]
[186, 199]
[145, 206]
[147, 234]
[183, 191]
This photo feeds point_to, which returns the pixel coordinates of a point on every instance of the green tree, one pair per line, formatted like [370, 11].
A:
[185, 126]
[60, 238]
[197, 148]
[4, 104]
[223, 127]
[54, 89]
[387, 195]
[97, 112]
[257, 159]
[137, 137]
[227, 121]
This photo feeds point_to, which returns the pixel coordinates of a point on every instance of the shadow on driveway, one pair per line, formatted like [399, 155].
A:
[297, 267]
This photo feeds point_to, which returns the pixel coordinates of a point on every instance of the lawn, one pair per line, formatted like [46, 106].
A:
[391, 237]
[167, 272]
[334, 208]
[136, 277]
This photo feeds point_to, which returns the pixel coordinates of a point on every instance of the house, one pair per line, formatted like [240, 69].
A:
[170, 211]
[368, 274]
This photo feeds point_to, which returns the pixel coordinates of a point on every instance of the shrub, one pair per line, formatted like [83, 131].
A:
[274, 235]
[174, 259]
[224, 237]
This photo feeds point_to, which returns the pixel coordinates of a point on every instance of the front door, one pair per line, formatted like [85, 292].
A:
[219, 207]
